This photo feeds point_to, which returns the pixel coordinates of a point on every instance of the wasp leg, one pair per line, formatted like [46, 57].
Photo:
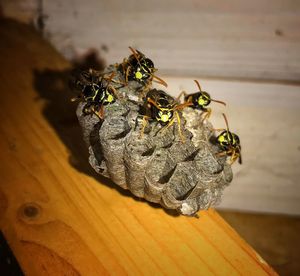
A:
[207, 113]
[123, 66]
[144, 90]
[100, 114]
[180, 95]
[116, 93]
[235, 155]
[179, 128]
[96, 112]
[119, 82]
[144, 124]
[222, 153]
[111, 79]
[126, 74]
[147, 86]
[183, 105]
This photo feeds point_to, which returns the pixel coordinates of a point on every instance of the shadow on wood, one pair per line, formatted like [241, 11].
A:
[53, 86]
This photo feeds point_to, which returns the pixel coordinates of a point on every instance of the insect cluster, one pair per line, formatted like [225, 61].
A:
[159, 147]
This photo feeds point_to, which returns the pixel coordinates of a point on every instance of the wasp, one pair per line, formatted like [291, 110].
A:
[229, 142]
[138, 67]
[163, 108]
[199, 100]
[96, 92]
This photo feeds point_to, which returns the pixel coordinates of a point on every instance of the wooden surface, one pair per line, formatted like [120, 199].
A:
[258, 39]
[59, 217]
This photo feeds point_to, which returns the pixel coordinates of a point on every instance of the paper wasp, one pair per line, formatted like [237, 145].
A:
[229, 142]
[96, 91]
[163, 108]
[138, 67]
[199, 100]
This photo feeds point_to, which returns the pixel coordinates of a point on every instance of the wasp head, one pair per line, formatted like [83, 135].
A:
[203, 99]
[228, 140]
[164, 116]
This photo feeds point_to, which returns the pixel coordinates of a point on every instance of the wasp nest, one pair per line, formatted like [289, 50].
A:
[186, 176]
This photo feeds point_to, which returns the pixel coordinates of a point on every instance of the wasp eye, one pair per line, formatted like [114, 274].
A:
[237, 139]
[149, 63]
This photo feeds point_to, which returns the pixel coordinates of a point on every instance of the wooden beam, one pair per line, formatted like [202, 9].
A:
[232, 39]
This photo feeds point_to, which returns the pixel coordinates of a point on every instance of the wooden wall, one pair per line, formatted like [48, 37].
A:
[236, 39]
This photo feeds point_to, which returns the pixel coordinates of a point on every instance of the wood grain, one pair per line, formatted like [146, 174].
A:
[231, 39]
[59, 217]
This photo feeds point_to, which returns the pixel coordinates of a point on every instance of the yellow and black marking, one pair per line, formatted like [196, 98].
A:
[199, 100]
[163, 108]
[137, 67]
[95, 92]
[229, 143]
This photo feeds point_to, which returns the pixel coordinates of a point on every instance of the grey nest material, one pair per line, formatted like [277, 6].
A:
[158, 167]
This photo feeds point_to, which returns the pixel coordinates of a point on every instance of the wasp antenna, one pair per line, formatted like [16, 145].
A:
[183, 105]
[153, 102]
[111, 77]
[134, 52]
[198, 84]
[218, 101]
[225, 118]
[161, 81]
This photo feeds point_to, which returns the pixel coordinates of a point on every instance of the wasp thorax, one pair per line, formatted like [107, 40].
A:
[148, 65]
[236, 139]
[90, 90]
[144, 69]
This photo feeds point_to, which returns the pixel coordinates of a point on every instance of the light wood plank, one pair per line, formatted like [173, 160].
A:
[232, 39]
